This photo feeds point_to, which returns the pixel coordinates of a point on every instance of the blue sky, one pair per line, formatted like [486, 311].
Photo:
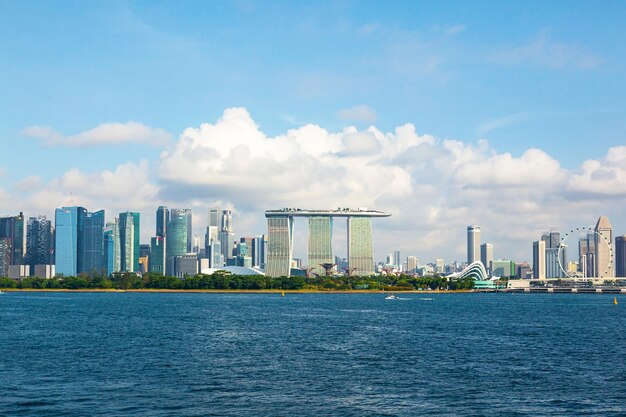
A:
[521, 75]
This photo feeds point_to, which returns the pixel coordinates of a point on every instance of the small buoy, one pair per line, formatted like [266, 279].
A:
[615, 300]
[283, 293]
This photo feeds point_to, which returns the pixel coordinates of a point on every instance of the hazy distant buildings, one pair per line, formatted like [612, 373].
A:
[486, 255]
[473, 244]
[411, 264]
[439, 266]
[555, 258]
[503, 268]
[620, 256]
[604, 256]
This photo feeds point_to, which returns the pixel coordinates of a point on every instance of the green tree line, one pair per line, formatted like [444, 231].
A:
[222, 280]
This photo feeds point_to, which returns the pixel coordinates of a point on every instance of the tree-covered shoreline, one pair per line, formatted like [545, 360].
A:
[222, 280]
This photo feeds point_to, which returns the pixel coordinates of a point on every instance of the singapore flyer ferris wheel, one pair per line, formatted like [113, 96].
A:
[601, 267]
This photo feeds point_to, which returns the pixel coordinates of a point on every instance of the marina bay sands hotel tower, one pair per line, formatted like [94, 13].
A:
[280, 239]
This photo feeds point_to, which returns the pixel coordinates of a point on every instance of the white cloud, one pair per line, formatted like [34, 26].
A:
[361, 113]
[433, 188]
[104, 134]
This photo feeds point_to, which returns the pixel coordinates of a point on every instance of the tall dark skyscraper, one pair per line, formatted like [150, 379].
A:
[39, 242]
[91, 257]
[12, 228]
[620, 256]
[177, 237]
[162, 218]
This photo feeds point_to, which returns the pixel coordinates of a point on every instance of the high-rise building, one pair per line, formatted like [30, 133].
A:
[604, 256]
[227, 221]
[396, 260]
[554, 269]
[68, 222]
[411, 264]
[12, 227]
[157, 259]
[185, 265]
[162, 218]
[130, 234]
[39, 242]
[214, 253]
[177, 237]
[280, 246]
[473, 244]
[90, 258]
[556, 261]
[620, 256]
[539, 259]
[360, 254]
[486, 255]
[5, 256]
[320, 243]
[439, 266]
[112, 249]
[259, 251]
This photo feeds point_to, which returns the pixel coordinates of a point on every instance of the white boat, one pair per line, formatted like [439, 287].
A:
[391, 297]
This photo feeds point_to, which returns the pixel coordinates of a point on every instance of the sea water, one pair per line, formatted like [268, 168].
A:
[195, 354]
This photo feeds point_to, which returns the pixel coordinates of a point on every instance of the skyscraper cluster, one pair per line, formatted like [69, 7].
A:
[82, 242]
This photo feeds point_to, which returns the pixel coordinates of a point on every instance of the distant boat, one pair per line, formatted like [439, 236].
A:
[391, 297]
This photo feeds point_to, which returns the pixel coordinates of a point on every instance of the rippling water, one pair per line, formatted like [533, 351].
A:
[68, 354]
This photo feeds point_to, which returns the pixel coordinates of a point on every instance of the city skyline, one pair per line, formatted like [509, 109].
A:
[367, 107]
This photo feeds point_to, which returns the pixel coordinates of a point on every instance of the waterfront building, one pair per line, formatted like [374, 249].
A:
[112, 250]
[44, 271]
[90, 260]
[620, 256]
[39, 242]
[473, 244]
[185, 265]
[539, 259]
[320, 243]
[177, 237]
[157, 259]
[604, 267]
[587, 254]
[522, 270]
[214, 253]
[503, 268]
[68, 222]
[12, 228]
[130, 234]
[226, 235]
[280, 238]
[486, 256]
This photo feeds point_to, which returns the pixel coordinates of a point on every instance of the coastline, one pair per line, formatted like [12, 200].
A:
[267, 291]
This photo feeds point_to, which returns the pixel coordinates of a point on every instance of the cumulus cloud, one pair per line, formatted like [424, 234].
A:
[432, 187]
[361, 113]
[104, 134]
